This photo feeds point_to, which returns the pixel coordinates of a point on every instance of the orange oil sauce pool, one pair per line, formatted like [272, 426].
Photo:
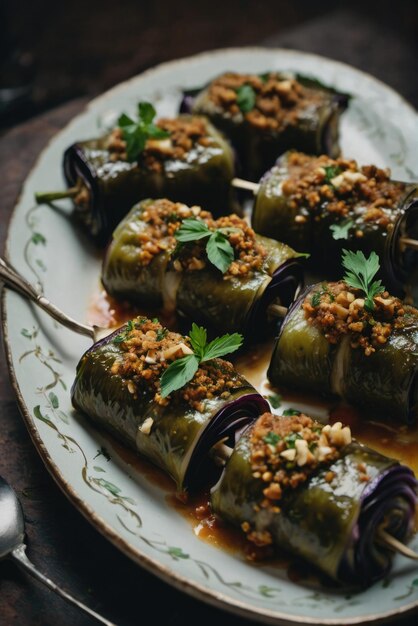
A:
[399, 442]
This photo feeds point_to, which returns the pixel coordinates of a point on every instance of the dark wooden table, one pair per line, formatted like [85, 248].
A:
[61, 542]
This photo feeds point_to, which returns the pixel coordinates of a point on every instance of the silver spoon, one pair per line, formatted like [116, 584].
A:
[12, 535]
[13, 279]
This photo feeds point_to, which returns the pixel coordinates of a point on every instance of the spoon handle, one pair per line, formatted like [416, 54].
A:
[19, 556]
[11, 277]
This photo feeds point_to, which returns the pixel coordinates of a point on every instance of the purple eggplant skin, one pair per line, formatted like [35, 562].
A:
[383, 384]
[181, 436]
[203, 177]
[333, 526]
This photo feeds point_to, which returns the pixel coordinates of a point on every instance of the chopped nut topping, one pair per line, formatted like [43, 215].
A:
[142, 374]
[186, 133]
[285, 453]
[279, 100]
[163, 218]
[146, 426]
[340, 187]
[338, 310]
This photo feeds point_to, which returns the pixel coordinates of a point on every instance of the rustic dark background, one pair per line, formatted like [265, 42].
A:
[53, 57]
[51, 51]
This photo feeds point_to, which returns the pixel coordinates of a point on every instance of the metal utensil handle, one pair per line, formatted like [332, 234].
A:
[19, 555]
[11, 277]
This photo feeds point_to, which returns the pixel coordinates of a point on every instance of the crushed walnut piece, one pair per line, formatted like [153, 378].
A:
[146, 349]
[338, 311]
[186, 133]
[342, 188]
[285, 452]
[279, 99]
[163, 218]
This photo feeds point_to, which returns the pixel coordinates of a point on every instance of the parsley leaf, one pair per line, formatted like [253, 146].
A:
[219, 250]
[192, 229]
[272, 438]
[181, 371]
[124, 335]
[136, 133]
[331, 171]
[198, 338]
[178, 374]
[316, 298]
[360, 273]
[340, 231]
[246, 97]
[291, 439]
[275, 400]
[222, 346]
[288, 412]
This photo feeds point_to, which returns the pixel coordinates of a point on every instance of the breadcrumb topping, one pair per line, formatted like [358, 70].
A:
[340, 186]
[164, 218]
[285, 452]
[186, 134]
[278, 99]
[339, 311]
[146, 349]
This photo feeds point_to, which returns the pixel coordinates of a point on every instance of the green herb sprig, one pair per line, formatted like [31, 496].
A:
[340, 231]
[331, 171]
[219, 250]
[181, 371]
[246, 98]
[136, 133]
[360, 273]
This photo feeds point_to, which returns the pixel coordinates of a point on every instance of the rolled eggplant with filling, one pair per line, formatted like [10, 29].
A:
[323, 205]
[118, 385]
[183, 158]
[161, 255]
[265, 115]
[333, 342]
[311, 490]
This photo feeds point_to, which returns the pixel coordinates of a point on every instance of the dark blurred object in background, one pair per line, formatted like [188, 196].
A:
[52, 51]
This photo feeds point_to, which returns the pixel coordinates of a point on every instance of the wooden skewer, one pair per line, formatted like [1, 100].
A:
[277, 310]
[394, 544]
[240, 183]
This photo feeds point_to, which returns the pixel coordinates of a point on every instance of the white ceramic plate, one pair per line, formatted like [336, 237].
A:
[379, 127]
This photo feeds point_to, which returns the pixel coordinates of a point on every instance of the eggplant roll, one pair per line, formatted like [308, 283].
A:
[117, 386]
[329, 345]
[140, 267]
[323, 205]
[195, 164]
[329, 512]
[265, 115]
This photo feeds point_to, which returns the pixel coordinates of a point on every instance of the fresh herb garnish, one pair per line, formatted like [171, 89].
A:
[136, 133]
[288, 412]
[246, 97]
[275, 400]
[219, 250]
[360, 273]
[316, 298]
[331, 171]
[125, 334]
[161, 333]
[272, 438]
[291, 439]
[181, 371]
[340, 231]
